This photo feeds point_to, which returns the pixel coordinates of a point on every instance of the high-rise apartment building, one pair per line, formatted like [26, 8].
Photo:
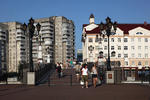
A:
[43, 44]
[64, 39]
[3, 47]
[17, 46]
[130, 45]
[53, 43]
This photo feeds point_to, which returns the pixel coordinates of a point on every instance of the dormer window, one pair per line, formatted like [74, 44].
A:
[139, 33]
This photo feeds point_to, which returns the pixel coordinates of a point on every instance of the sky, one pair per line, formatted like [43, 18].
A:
[122, 11]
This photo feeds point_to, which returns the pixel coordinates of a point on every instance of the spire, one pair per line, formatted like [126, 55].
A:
[91, 16]
[91, 19]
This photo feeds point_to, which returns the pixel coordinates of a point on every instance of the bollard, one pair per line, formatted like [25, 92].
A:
[49, 79]
[70, 80]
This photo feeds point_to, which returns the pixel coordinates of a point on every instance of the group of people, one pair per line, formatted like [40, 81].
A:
[83, 73]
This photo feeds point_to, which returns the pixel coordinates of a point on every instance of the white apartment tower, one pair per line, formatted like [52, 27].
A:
[130, 45]
[64, 39]
[17, 50]
[43, 44]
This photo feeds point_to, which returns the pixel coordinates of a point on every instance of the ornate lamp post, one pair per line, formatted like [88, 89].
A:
[48, 56]
[38, 26]
[40, 40]
[31, 28]
[108, 29]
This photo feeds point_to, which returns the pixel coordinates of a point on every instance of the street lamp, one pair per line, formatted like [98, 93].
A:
[48, 56]
[108, 29]
[31, 28]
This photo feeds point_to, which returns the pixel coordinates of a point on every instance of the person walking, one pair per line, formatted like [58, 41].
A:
[59, 70]
[77, 71]
[84, 73]
[94, 75]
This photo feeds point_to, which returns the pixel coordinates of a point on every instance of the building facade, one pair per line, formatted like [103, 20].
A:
[64, 39]
[43, 44]
[79, 55]
[17, 43]
[3, 48]
[53, 43]
[129, 46]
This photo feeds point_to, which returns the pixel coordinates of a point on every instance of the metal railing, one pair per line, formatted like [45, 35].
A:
[41, 72]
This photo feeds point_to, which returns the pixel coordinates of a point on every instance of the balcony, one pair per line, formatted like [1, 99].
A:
[45, 24]
[47, 36]
[20, 38]
[19, 31]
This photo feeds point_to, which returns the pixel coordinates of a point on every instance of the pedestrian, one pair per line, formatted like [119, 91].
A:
[59, 70]
[77, 71]
[84, 73]
[94, 75]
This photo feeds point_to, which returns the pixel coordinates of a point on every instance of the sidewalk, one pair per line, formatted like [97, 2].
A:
[104, 92]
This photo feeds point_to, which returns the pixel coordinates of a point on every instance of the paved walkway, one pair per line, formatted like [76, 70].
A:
[104, 92]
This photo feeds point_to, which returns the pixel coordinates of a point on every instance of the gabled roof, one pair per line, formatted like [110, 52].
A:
[127, 27]
[124, 27]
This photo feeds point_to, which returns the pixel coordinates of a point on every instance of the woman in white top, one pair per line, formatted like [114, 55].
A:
[94, 75]
[85, 75]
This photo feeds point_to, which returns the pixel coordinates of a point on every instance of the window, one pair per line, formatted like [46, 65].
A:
[96, 40]
[146, 63]
[126, 63]
[119, 39]
[90, 40]
[96, 47]
[139, 47]
[132, 39]
[146, 39]
[139, 39]
[132, 47]
[125, 55]
[112, 47]
[113, 54]
[139, 33]
[146, 55]
[146, 47]
[133, 63]
[125, 47]
[139, 63]
[105, 39]
[132, 55]
[125, 39]
[105, 47]
[101, 54]
[100, 48]
[119, 55]
[139, 55]
[112, 40]
[119, 47]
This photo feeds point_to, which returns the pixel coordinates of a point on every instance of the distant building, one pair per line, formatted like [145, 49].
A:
[3, 48]
[17, 46]
[57, 33]
[64, 39]
[54, 43]
[79, 55]
[43, 44]
[130, 45]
